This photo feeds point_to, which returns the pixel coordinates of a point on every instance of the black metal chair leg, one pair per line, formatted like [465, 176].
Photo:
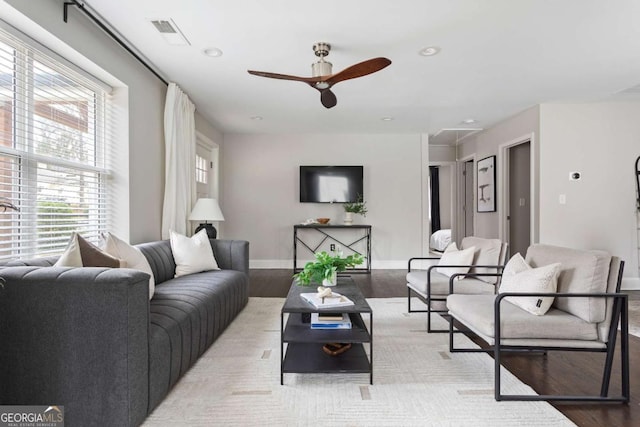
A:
[624, 351]
[608, 365]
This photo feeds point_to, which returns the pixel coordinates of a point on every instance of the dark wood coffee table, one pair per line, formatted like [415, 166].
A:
[303, 353]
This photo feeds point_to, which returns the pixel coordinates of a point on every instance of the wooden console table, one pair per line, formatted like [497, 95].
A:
[325, 230]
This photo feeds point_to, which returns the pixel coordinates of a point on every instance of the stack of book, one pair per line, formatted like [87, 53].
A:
[335, 300]
[330, 321]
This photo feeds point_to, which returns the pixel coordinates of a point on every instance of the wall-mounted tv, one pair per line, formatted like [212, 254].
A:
[330, 184]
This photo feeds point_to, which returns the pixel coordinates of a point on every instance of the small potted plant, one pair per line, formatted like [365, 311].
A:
[357, 207]
[326, 268]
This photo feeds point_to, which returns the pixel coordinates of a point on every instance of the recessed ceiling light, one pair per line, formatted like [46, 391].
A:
[429, 51]
[469, 121]
[213, 52]
[257, 118]
[386, 119]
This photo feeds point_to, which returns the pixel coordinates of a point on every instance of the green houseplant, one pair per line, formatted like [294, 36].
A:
[325, 268]
[357, 207]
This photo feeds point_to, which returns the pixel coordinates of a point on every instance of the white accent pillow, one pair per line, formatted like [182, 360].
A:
[71, 256]
[192, 254]
[82, 253]
[130, 256]
[453, 256]
[520, 277]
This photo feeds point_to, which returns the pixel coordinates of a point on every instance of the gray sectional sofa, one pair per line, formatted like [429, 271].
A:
[91, 340]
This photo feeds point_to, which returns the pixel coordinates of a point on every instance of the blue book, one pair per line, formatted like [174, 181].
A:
[316, 323]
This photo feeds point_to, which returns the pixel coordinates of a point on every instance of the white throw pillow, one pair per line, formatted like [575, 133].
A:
[82, 253]
[453, 256]
[130, 256]
[519, 277]
[71, 256]
[192, 254]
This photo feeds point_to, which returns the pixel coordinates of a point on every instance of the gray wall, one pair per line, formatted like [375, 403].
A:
[486, 144]
[601, 141]
[260, 194]
[442, 153]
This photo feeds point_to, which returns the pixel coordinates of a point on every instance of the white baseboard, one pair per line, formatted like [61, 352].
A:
[285, 263]
[630, 284]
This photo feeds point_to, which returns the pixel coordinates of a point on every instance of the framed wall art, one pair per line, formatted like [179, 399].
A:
[486, 182]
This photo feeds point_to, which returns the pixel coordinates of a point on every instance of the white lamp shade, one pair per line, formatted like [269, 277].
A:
[206, 210]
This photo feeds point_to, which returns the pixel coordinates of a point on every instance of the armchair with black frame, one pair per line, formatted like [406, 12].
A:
[432, 285]
[584, 316]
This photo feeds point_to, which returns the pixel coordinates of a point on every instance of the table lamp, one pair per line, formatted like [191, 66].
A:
[207, 210]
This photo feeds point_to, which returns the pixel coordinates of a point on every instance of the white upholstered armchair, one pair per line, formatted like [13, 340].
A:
[481, 260]
[577, 308]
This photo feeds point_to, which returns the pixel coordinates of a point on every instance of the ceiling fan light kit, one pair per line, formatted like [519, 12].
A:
[322, 78]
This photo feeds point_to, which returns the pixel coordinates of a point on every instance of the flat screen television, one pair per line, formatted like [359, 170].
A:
[331, 184]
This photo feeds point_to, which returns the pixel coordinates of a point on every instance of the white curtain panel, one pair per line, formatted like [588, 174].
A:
[180, 148]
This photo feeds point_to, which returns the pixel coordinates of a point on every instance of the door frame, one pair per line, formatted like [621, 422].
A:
[456, 235]
[503, 186]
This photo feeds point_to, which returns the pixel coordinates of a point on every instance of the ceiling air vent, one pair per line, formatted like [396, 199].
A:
[170, 32]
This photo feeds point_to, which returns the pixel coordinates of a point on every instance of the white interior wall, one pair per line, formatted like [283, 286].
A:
[601, 141]
[140, 102]
[261, 191]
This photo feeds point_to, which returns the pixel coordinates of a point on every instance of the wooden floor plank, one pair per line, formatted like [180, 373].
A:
[552, 374]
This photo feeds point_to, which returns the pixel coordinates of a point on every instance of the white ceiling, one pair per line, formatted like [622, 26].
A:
[498, 57]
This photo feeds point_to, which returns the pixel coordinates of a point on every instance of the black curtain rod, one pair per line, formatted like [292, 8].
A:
[104, 28]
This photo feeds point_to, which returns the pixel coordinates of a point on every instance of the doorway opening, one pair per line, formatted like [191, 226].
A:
[441, 204]
[519, 182]
[517, 195]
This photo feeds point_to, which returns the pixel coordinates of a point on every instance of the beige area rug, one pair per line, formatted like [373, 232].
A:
[417, 382]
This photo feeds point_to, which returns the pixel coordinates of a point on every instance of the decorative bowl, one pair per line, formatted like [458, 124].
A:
[323, 220]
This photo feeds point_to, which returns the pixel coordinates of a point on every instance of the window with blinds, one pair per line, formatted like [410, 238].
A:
[52, 152]
[201, 170]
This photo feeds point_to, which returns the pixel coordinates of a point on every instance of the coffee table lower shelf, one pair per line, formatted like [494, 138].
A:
[307, 358]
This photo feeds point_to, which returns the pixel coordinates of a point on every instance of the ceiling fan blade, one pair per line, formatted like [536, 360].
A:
[360, 69]
[328, 98]
[309, 80]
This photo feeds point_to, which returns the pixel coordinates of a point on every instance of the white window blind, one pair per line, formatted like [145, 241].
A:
[53, 145]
